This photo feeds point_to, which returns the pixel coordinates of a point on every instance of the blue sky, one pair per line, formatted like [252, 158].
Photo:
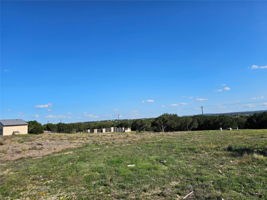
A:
[82, 61]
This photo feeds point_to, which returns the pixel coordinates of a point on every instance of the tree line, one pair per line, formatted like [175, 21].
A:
[163, 123]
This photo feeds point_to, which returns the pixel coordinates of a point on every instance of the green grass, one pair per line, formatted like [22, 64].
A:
[213, 164]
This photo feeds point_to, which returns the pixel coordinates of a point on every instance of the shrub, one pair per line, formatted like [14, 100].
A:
[35, 127]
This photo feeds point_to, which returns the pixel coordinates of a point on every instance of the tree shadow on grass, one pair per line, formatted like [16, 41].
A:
[240, 151]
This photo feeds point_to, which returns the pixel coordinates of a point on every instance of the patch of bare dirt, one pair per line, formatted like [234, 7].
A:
[17, 147]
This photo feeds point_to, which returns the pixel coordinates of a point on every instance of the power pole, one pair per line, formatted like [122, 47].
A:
[202, 110]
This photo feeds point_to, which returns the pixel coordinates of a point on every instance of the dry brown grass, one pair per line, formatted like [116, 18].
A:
[17, 147]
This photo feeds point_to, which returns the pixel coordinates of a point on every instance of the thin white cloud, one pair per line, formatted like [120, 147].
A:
[190, 98]
[115, 110]
[201, 99]
[44, 106]
[88, 115]
[148, 101]
[221, 106]
[108, 116]
[56, 116]
[36, 116]
[134, 113]
[264, 104]
[178, 104]
[258, 67]
[258, 98]
[224, 89]
[251, 105]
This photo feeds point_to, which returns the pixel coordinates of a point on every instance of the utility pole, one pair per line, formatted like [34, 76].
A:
[202, 110]
[118, 116]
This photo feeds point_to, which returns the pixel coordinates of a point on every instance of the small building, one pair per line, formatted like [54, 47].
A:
[13, 127]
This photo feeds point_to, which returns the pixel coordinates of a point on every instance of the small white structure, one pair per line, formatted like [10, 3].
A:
[127, 130]
[110, 130]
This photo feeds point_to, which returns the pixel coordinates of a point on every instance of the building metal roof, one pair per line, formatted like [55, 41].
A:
[12, 122]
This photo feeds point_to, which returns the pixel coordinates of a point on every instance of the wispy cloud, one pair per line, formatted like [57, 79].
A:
[134, 113]
[44, 106]
[221, 107]
[201, 99]
[89, 115]
[108, 116]
[224, 89]
[148, 101]
[178, 104]
[264, 104]
[36, 116]
[251, 105]
[186, 97]
[57, 117]
[258, 67]
[258, 98]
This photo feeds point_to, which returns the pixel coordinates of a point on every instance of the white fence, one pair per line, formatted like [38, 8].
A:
[110, 130]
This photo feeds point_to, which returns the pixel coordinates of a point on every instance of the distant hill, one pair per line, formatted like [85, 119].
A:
[238, 113]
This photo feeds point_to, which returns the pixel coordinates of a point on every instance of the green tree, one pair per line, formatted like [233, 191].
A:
[123, 123]
[61, 127]
[50, 127]
[257, 121]
[35, 127]
[166, 122]
[139, 125]
[190, 123]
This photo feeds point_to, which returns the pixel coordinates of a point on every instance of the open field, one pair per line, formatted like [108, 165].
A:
[16, 147]
[204, 164]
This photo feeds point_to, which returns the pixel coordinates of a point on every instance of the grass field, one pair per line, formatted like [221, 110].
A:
[206, 165]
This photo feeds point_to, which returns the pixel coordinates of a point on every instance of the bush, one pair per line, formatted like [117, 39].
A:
[140, 125]
[35, 127]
